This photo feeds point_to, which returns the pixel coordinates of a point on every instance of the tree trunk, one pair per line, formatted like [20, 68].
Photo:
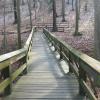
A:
[79, 7]
[63, 11]
[86, 3]
[18, 24]
[23, 2]
[35, 10]
[72, 5]
[68, 2]
[54, 17]
[97, 28]
[34, 3]
[15, 11]
[4, 33]
[77, 19]
[29, 7]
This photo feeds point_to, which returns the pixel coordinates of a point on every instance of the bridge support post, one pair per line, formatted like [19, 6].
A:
[25, 61]
[82, 76]
[6, 74]
[61, 48]
[70, 70]
[69, 63]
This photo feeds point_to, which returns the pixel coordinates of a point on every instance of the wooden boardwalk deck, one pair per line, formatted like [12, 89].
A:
[44, 81]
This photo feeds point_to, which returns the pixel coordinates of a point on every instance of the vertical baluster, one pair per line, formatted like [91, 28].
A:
[82, 76]
[61, 49]
[24, 60]
[56, 45]
[70, 62]
[6, 74]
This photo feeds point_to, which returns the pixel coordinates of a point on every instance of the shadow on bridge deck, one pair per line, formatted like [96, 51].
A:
[45, 80]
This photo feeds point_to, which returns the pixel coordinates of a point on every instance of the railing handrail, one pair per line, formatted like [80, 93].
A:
[79, 54]
[7, 59]
[29, 38]
[86, 65]
[16, 52]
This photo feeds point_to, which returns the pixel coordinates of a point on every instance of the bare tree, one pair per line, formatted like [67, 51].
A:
[15, 11]
[18, 24]
[30, 13]
[72, 5]
[4, 33]
[63, 11]
[77, 19]
[35, 9]
[54, 17]
[86, 3]
[67, 1]
[34, 3]
[22, 2]
[79, 7]
[97, 28]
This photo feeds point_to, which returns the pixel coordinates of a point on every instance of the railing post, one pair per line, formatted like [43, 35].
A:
[6, 74]
[51, 41]
[29, 49]
[25, 61]
[69, 63]
[26, 58]
[61, 48]
[56, 46]
[82, 76]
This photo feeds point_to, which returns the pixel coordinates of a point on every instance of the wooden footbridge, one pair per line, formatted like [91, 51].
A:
[40, 75]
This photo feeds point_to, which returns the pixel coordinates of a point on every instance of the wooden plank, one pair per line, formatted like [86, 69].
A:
[49, 95]
[45, 81]
[88, 65]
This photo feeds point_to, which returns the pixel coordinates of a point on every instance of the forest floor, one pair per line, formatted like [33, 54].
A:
[11, 29]
[84, 43]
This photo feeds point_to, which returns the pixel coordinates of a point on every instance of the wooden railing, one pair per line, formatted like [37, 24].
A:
[85, 68]
[6, 60]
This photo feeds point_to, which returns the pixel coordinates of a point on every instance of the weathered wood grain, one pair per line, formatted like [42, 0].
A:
[45, 81]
